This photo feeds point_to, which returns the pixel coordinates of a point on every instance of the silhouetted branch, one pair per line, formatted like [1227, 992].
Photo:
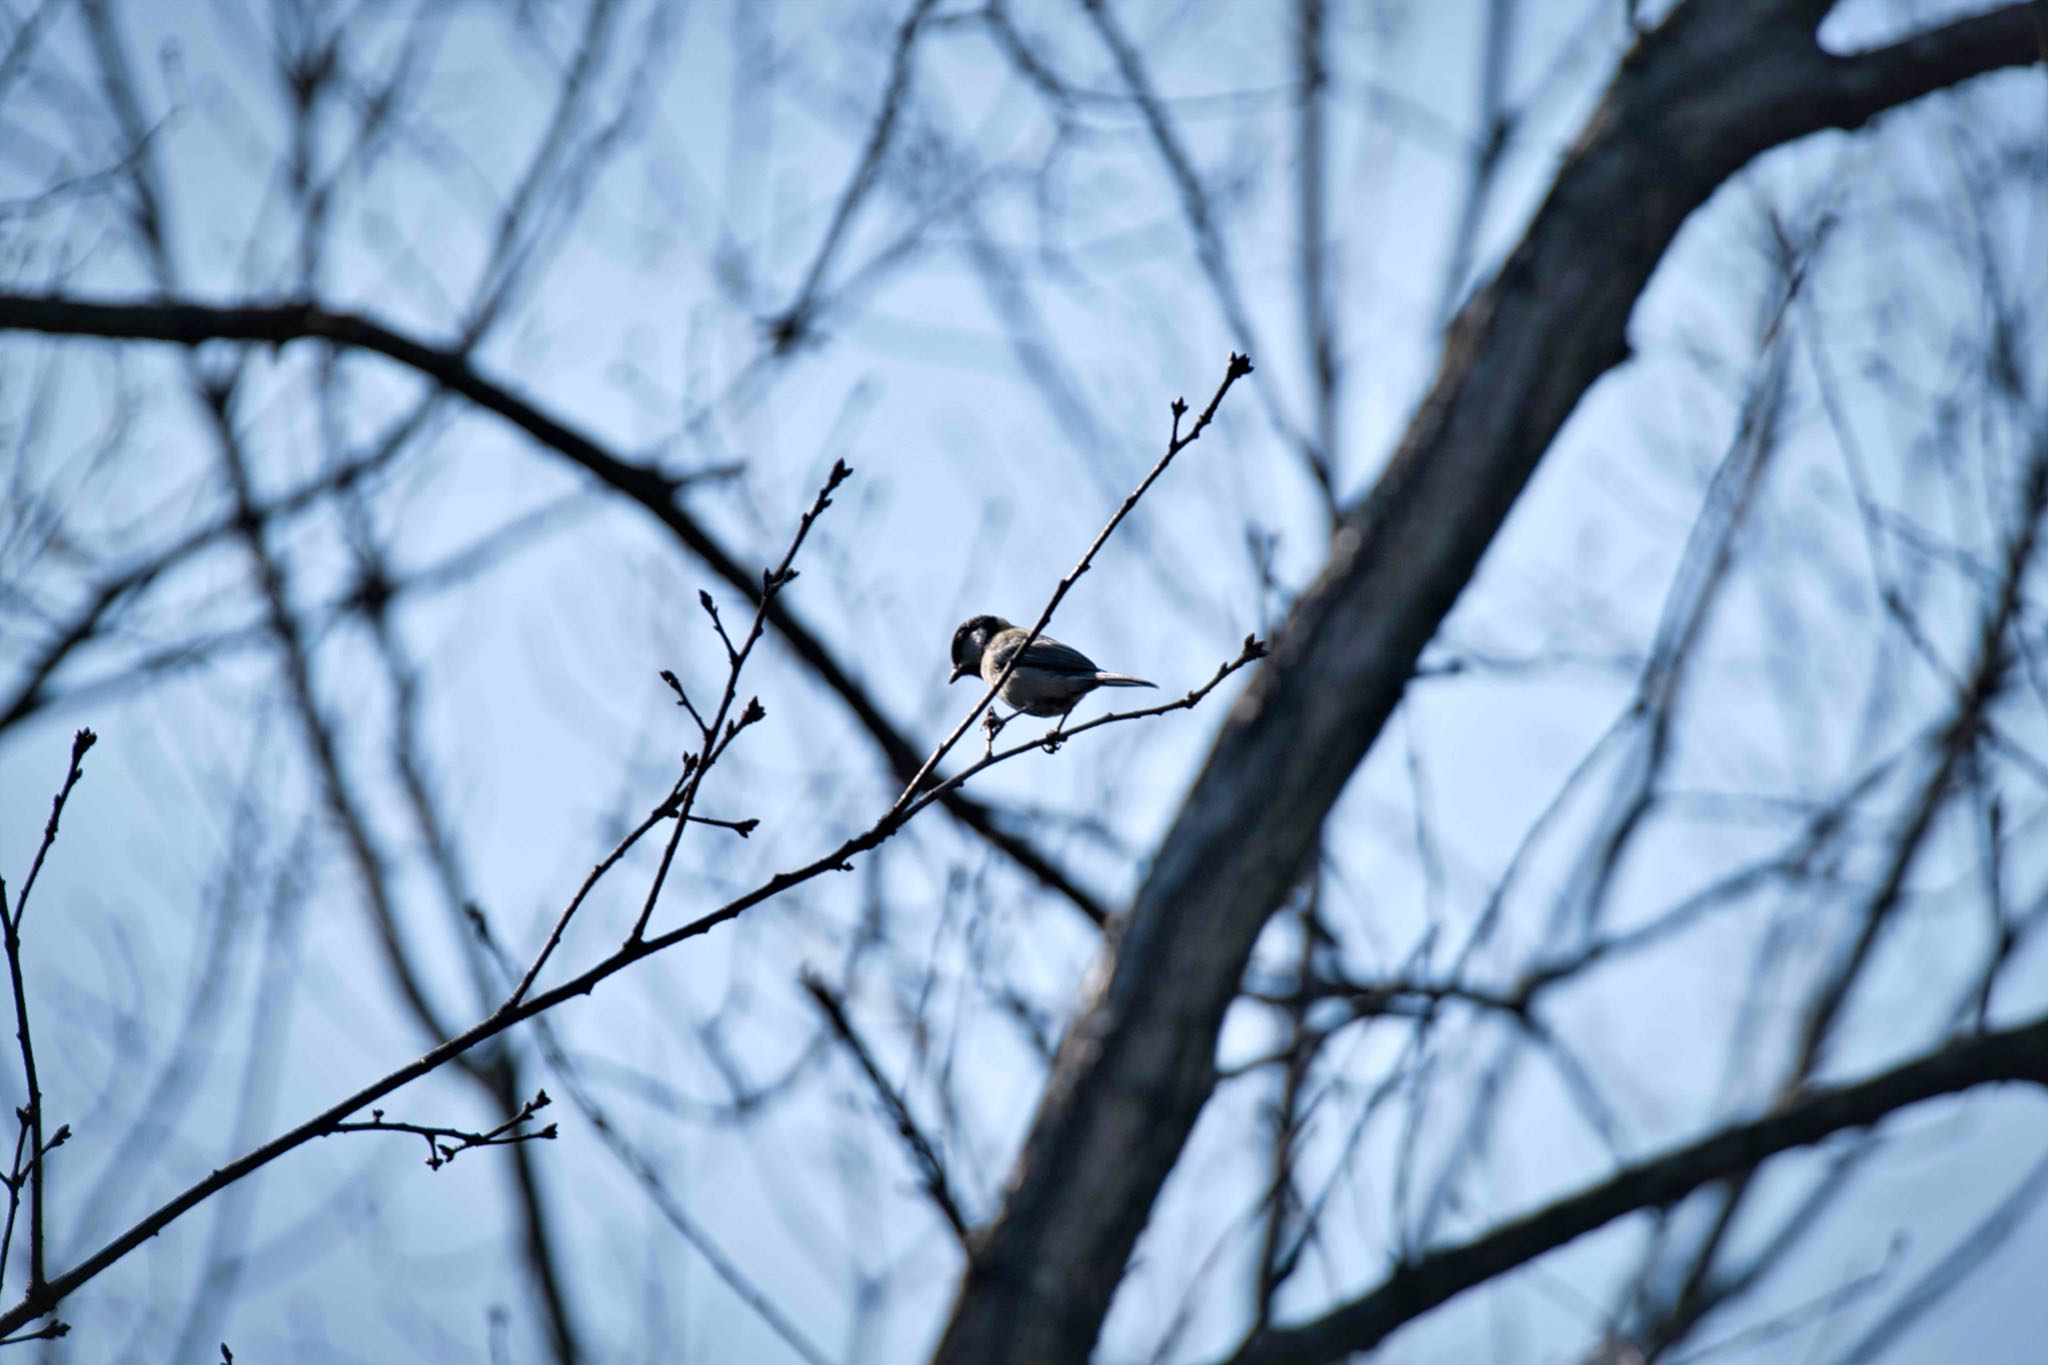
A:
[722, 728]
[445, 1144]
[2017, 1054]
[31, 1113]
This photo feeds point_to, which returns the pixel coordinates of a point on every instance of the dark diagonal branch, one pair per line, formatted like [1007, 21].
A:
[931, 1171]
[2018, 1054]
[654, 491]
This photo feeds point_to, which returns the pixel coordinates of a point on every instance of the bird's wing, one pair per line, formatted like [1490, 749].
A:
[1055, 657]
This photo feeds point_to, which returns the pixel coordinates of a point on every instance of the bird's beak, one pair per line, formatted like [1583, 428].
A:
[959, 671]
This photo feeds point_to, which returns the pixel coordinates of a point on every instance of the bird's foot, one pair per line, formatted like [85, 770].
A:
[1056, 736]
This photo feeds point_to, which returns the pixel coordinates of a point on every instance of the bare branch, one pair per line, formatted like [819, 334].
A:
[445, 1144]
[715, 744]
[922, 1154]
[31, 1113]
[1237, 368]
[2017, 1054]
[793, 323]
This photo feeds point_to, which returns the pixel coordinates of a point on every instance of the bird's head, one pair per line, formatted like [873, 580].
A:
[970, 641]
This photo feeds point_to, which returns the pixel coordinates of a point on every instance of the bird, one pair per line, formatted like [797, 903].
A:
[1049, 680]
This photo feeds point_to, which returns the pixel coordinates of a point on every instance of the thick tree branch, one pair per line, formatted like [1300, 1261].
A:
[2019, 1054]
[1713, 87]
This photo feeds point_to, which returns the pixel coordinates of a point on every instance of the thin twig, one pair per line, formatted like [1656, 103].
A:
[676, 805]
[720, 733]
[445, 1144]
[1238, 367]
[80, 744]
[597, 871]
[17, 1174]
[32, 1112]
[643, 1170]
[743, 828]
[683, 698]
[732, 655]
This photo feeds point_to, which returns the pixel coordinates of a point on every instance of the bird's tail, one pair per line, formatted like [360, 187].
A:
[1121, 680]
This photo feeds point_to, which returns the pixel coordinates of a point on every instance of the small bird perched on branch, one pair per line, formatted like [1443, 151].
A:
[1049, 680]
